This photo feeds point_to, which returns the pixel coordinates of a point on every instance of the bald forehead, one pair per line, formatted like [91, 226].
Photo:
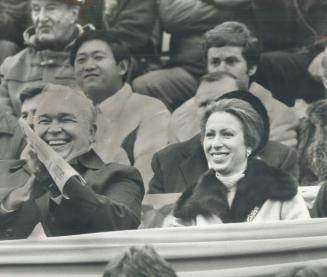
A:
[215, 89]
[66, 102]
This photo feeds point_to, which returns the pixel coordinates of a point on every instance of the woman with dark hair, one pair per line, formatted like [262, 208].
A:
[238, 187]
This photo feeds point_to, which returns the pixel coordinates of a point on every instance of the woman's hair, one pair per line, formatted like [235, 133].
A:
[253, 124]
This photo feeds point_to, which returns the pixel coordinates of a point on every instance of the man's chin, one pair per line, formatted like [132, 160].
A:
[45, 39]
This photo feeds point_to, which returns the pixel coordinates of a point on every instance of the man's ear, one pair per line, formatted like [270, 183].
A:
[123, 67]
[252, 70]
[93, 130]
[74, 11]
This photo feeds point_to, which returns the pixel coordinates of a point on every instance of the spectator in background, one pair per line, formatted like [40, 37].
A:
[292, 33]
[11, 137]
[110, 199]
[179, 166]
[312, 146]
[231, 47]
[139, 262]
[46, 57]
[137, 123]
[13, 21]
[186, 21]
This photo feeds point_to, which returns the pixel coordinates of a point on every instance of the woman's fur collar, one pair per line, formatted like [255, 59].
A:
[209, 196]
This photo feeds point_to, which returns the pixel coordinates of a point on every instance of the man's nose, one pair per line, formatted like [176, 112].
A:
[221, 67]
[89, 65]
[42, 15]
[54, 128]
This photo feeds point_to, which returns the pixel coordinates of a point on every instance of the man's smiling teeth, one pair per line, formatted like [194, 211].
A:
[56, 142]
[219, 155]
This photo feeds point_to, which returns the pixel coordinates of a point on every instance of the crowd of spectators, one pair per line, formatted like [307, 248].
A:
[223, 101]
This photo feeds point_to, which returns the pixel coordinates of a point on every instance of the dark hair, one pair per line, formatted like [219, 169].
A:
[72, 2]
[237, 34]
[250, 111]
[139, 262]
[118, 48]
[30, 93]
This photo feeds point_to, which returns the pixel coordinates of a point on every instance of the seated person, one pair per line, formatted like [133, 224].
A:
[312, 146]
[238, 187]
[179, 165]
[46, 57]
[137, 123]
[109, 200]
[139, 262]
[230, 47]
[11, 137]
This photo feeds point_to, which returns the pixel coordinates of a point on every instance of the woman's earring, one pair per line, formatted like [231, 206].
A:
[248, 152]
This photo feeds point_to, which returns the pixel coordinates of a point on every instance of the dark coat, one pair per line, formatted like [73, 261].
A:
[179, 166]
[111, 200]
[260, 183]
[13, 19]
[133, 21]
[11, 137]
[319, 208]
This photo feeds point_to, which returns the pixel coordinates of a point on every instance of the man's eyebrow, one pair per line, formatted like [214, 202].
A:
[92, 52]
[59, 115]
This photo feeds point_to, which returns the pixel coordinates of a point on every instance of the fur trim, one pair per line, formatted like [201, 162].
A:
[260, 183]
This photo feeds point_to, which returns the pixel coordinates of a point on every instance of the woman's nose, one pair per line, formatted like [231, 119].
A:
[216, 142]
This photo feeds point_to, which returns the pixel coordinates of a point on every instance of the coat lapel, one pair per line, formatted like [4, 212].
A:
[195, 163]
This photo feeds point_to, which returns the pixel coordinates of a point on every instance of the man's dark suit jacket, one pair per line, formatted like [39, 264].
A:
[180, 165]
[110, 200]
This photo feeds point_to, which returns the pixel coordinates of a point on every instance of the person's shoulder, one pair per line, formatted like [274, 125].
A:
[184, 148]
[279, 149]
[22, 57]
[188, 108]
[278, 184]
[147, 103]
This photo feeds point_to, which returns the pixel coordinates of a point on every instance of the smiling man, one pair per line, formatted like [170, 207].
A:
[110, 199]
[46, 57]
[137, 123]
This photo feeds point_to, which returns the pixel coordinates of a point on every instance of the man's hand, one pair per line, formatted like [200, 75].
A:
[36, 167]
[18, 196]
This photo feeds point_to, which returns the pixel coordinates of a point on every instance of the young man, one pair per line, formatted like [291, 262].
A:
[109, 200]
[46, 57]
[231, 48]
[137, 123]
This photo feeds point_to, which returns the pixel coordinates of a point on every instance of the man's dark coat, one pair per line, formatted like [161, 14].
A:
[110, 200]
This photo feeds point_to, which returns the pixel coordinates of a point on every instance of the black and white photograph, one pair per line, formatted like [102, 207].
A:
[163, 138]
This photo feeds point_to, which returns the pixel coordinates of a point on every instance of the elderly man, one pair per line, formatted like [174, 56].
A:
[230, 47]
[46, 57]
[180, 165]
[137, 123]
[109, 200]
